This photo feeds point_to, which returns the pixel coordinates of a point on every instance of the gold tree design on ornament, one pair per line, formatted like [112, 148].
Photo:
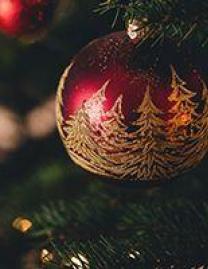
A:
[59, 103]
[146, 159]
[183, 110]
[187, 129]
[152, 148]
[199, 137]
[82, 133]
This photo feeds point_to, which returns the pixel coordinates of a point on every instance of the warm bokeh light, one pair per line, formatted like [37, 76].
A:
[9, 10]
[11, 130]
[41, 122]
[22, 224]
[5, 8]
[30, 260]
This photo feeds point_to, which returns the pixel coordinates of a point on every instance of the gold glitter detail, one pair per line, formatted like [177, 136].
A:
[151, 148]
[59, 100]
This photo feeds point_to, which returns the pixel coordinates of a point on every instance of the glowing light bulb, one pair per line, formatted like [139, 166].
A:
[46, 256]
[80, 262]
[22, 224]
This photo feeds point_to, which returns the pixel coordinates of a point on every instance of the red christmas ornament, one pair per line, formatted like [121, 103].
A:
[121, 118]
[26, 18]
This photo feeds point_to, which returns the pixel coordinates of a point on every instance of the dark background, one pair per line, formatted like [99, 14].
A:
[35, 169]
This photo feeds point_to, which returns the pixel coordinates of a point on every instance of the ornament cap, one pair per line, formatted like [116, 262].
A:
[136, 29]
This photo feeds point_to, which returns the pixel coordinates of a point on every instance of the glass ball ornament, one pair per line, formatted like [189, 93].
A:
[29, 20]
[126, 118]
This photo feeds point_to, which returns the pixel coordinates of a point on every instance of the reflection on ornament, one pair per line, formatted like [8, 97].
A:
[94, 109]
[22, 224]
[184, 119]
[121, 121]
[184, 108]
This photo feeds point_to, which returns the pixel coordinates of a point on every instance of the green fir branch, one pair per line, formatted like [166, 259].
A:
[179, 20]
[148, 234]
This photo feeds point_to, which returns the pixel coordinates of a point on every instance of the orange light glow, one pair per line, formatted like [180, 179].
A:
[22, 224]
[184, 119]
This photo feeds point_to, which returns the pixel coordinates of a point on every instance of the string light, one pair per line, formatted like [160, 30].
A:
[134, 254]
[46, 256]
[21, 224]
[78, 262]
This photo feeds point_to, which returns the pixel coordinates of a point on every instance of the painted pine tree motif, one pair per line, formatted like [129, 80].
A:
[82, 133]
[79, 142]
[153, 148]
[188, 136]
[108, 131]
[147, 159]
[114, 140]
[113, 130]
[183, 111]
[111, 138]
[199, 139]
[80, 126]
[78, 131]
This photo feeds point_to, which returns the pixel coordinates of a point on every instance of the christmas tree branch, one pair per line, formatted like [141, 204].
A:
[111, 231]
[180, 20]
